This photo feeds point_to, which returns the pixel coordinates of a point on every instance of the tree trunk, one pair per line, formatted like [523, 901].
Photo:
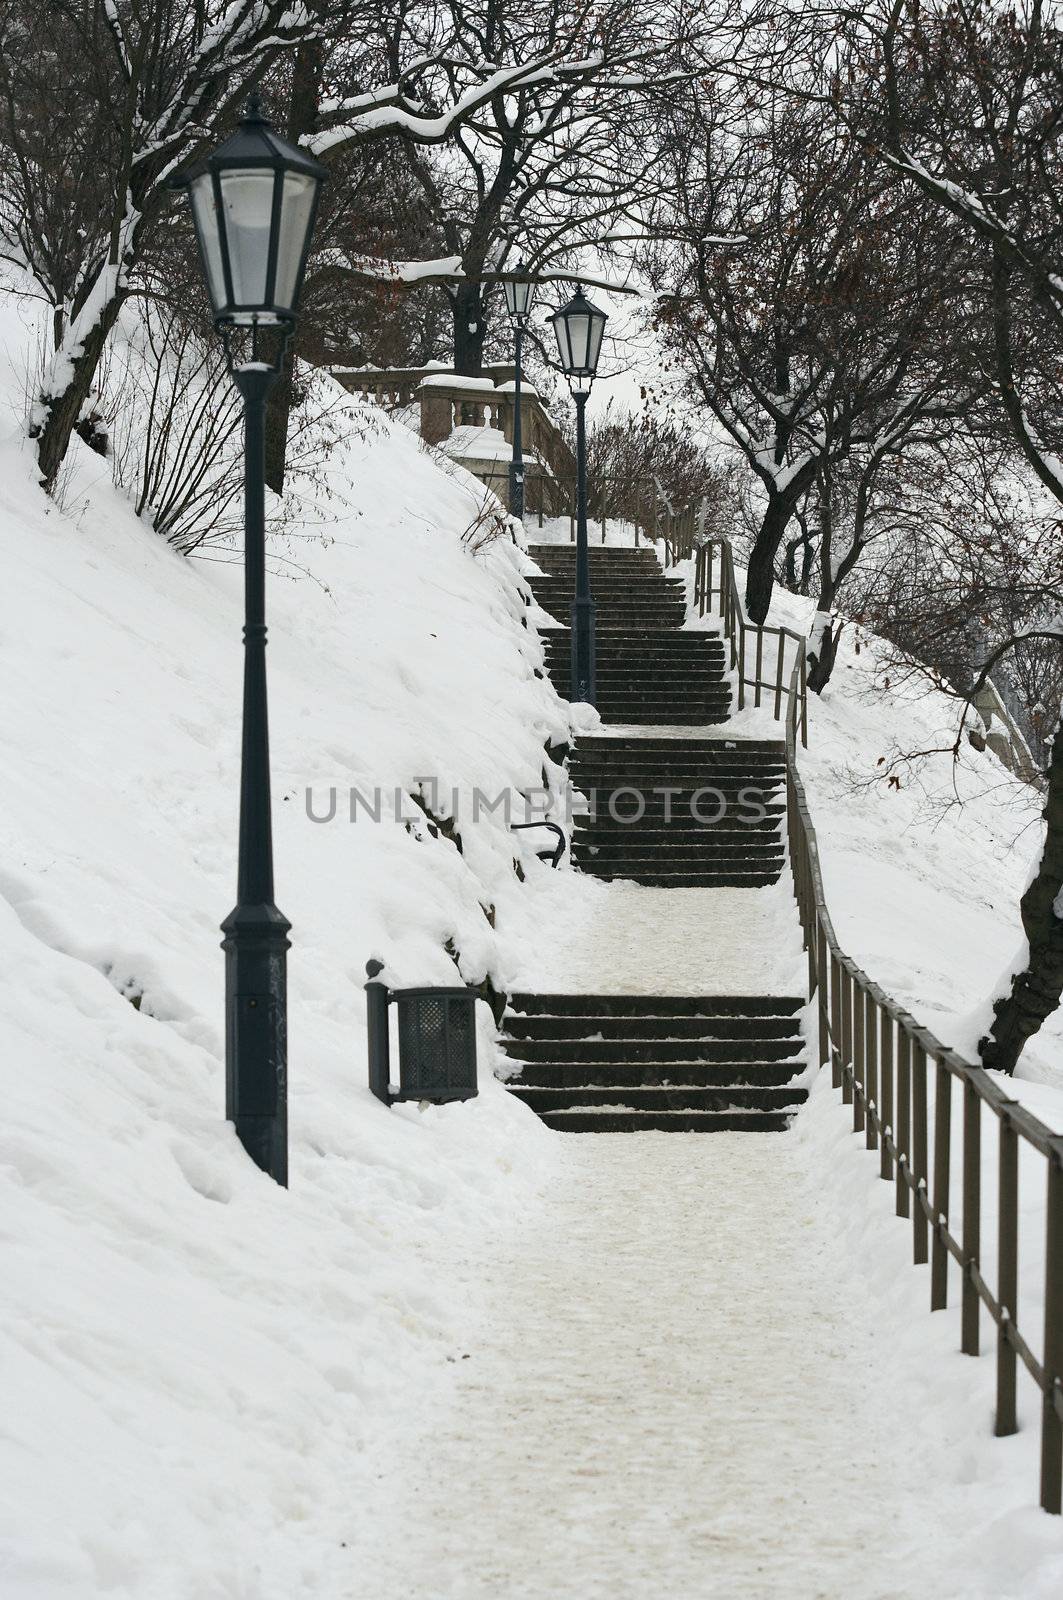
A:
[821, 661]
[469, 330]
[760, 574]
[303, 115]
[278, 417]
[1035, 991]
[64, 408]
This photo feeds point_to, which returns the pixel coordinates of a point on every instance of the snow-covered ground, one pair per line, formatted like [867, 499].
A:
[691, 1378]
[193, 1360]
[218, 1391]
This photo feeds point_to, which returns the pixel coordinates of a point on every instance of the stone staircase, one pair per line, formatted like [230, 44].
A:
[679, 813]
[663, 809]
[650, 671]
[653, 1063]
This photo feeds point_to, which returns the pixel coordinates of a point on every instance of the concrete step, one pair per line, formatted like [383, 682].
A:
[606, 1121]
[733, 1097]
[574, 1051]
[700, 1074]
[589, 743]
[683, 784]
[707, 879]
[540, 1026]
[634, 859]
[559, 1003]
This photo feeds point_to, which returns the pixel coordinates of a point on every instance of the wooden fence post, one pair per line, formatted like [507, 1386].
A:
[972, 1217]
[822, 986]
[859, 1039]
[939, 1253]
[1007, 1272]
[920, 1155]
[835, 1022]
[847, 1035]
[1051, 1424]
[904, 1118]
[885, 1092]
[872, 1121]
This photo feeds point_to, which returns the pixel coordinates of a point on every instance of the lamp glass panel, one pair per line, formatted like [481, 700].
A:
[518, 296]
[205, 217]
[597, 330]
[579, 331]
[564, 349]
[297, 204]
[247, 201]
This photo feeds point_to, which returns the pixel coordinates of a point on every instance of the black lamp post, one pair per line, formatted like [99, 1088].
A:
[518, 304]
[579, 327]
[253, 203]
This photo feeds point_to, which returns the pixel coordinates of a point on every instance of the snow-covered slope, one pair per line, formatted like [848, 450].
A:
[924, 860]
[194, 1361]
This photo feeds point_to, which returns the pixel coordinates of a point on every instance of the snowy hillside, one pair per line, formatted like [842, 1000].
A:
[209, 1372]
[179, 1326]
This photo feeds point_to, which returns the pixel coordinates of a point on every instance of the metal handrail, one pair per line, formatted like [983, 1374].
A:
[879, 1057]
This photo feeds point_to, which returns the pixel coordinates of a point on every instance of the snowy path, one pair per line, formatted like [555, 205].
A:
[683, 1390]
[623, 938]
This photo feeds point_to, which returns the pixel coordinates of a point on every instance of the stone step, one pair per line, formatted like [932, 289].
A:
[619, 587]
[669, 719]
[544, 1026]
[708, 692]
[573, 1051]
[637, 756]
[564, 555]
[661, 644]
[605, 1121]
[588, 743]
[733, 1097]
[668, 641]
[691, 774]
[625, 813]
[690, 880]
[635, 859]
[708, 1075]
[683, 783]
[559, 1003]
[677, 834]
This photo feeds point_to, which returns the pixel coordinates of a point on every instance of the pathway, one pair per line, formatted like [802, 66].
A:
[680, 1392]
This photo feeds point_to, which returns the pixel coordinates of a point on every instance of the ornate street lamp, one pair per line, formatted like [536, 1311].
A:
[579, 327]
[253, 204]
[518, 303]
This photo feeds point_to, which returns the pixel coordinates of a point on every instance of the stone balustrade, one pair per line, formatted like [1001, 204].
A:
[448, 401]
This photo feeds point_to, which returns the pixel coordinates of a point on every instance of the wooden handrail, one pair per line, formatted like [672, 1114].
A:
[880, 1067]
[759, 663]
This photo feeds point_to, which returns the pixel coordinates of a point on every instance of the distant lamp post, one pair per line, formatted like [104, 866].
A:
[253, 204]
[519, 293]
[579, 328]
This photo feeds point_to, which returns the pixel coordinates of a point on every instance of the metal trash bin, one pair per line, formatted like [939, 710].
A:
[437, 1042]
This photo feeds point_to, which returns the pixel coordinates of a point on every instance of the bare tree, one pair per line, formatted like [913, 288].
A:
[156, 80]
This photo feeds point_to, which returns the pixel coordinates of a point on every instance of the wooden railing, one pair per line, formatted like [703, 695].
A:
[889, 1069]
[902, 1082]
[769, 663]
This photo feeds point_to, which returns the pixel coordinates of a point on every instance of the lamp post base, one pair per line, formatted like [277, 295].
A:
[583, 685]
[256, 1045]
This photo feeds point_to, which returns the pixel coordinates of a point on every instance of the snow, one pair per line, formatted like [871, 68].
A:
[697, 1372]
[479, 443]
[627, 938]
[454, 380]
[196, 1361]
[462, 1355]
